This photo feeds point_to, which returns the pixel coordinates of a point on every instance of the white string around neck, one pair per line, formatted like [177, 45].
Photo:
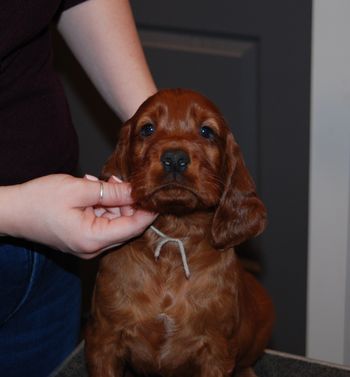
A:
[165, 239]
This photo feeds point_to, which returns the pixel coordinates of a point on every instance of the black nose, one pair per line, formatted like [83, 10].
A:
[175, 161]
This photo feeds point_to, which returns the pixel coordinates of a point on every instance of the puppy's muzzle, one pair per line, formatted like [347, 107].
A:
[175, 161]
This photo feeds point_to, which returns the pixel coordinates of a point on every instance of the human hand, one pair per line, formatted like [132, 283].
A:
[63, 212]
[111, 212]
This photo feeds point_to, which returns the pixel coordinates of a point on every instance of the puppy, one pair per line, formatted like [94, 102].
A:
[176, 301]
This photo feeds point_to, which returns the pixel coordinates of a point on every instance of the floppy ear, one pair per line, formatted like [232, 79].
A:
[117, 163]
[240, 214]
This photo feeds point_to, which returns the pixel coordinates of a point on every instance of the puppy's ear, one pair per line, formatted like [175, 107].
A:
[240, 214]
[117, 163]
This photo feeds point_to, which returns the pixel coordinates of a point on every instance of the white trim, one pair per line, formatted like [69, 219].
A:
[328, 317]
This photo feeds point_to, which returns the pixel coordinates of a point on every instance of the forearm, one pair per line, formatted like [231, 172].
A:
[103, 37]
[9, 196]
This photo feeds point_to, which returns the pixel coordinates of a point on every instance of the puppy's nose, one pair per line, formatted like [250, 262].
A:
[175, 160]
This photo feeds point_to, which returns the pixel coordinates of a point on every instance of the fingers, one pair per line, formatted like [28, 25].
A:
[103, 234]
[114, 195]
[109, 194]
[64, 213]
[111, 219]
[109, 212]
[123, 228]
[122, 210]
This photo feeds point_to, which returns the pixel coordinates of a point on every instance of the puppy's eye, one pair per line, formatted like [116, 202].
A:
[207, 132]
[147, 129]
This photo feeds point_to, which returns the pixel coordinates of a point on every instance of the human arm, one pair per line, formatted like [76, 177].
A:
[103, 37]
[58, 210]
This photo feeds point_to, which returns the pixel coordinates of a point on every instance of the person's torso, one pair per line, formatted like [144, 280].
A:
[36, 132]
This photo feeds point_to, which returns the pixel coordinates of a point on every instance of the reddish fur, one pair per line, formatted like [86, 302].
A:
[146, 314]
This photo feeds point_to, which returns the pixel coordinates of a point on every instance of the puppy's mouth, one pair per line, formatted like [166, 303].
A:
[172, 186]
[171, 198]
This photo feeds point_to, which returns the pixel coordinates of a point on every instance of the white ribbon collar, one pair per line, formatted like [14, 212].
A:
[165, 239]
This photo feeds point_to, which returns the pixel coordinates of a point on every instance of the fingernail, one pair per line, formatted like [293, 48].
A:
[116, 179]
[99, 211]
[90, 177]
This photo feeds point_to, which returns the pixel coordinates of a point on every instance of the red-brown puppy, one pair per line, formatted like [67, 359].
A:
[175, 301]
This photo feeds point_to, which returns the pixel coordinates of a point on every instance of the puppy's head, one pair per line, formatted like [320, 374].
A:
[180, 157]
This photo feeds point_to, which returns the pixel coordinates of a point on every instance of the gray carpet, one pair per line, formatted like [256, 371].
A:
[272, 364]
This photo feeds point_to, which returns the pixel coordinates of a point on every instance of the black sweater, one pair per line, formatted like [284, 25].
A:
[36, 132]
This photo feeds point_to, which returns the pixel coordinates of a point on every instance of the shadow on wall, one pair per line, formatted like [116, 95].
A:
[96, 124]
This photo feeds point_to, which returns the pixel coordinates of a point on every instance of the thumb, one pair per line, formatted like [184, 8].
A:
[107, 193]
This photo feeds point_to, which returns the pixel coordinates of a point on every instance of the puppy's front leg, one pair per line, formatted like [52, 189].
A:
[104, 358]
[214, 371]
[217, 361]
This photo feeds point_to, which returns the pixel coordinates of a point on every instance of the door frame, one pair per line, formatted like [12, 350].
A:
[328, 303]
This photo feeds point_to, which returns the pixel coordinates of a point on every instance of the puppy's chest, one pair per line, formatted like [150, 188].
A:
[163, 319]
[161, 312]
[166, 302]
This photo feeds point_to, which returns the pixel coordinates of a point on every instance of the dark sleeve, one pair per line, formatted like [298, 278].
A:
[66, 4]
